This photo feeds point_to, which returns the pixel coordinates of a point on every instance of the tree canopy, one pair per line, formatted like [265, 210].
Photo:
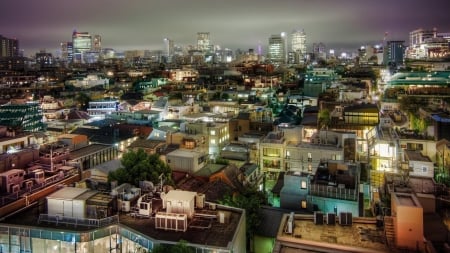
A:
[180, 247]
[140, 166]
[251, 200]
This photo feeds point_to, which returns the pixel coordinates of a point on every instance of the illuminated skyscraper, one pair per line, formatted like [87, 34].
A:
[319, 51]
[277, 50]
[395, 51]
[97, 43]
[298, 42]
[67, 51]
[203, 42]
[82, 42]
[168, 49]
[9, 47]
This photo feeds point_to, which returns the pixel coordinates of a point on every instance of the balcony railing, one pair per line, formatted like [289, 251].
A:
[56, 219]
[330, 191]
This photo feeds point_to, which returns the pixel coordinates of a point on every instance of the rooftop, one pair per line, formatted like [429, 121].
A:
[361, 236]
[203, 229]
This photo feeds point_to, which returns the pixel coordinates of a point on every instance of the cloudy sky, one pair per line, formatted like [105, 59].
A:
[142, 24]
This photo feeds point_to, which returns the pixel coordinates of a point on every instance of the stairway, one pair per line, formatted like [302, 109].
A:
[389, 230]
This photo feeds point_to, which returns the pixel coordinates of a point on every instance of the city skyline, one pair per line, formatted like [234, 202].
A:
[341, 25]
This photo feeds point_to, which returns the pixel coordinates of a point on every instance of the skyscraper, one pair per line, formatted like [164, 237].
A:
[276, 52]
[67, 51]
[9, 47]
[168, 49]
[298, 42]
[319, 51]
[97, 43]
[82, 42]
[395, 50]
[203, 42]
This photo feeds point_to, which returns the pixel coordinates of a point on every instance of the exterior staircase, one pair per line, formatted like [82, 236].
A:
[389, 230]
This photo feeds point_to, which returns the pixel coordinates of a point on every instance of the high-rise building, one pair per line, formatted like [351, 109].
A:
[67, 51]
[9, 47]
[319, 51]
[417, 37]
[168, 49]
[277, 49]
[44, 60]
[203, 42]
[395, 50]
[298, 42]
[82, 42]
[425, 44]
[97, 43]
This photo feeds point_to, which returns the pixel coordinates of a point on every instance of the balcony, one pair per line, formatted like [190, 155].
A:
[335, 192]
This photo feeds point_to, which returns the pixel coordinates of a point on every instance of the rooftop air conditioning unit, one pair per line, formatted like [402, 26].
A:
[318, 218]
[331, 218]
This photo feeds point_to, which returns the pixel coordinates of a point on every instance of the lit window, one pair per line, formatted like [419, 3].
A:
[303, 203]
[213, 132]
[213, 141]
[309, 167]
[303, 184]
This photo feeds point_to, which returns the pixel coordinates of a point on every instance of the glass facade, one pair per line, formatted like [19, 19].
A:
[38, 240]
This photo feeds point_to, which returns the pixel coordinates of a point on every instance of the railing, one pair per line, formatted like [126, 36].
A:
[329, 191]
[56, 219]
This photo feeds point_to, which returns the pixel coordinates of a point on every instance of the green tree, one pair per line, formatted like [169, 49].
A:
[324, 118]
[180, 247]
[251, 200]
[140, 166]
[82, 101]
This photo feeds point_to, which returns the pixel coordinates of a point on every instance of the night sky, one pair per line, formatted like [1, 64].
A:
[142, 24]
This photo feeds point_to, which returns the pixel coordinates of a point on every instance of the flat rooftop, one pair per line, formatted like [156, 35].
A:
[206, 230]
[84, 151]
[362, 236]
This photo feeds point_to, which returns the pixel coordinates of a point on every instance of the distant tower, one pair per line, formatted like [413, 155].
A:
[298, 42]
[168, 49]
[82, 42]
[203, 42]
[319, 51]
[395, 50]
[276, 52]
[9, 47]
[97, 43]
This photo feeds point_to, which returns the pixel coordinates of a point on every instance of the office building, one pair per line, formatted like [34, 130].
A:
[168, 49]
[203, 41]
[9, 47]
[395, 50]
[277, 49]
[67, 51]
[319, 51]
[82, 43]
[298, 43]
[27, 117]
[97, 43]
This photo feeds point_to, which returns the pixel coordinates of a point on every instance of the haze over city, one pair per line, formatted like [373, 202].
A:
[140, 24]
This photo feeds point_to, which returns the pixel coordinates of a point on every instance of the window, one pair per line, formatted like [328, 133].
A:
[213, 132]
[424, 169]
[274, 152]
[414, 146]
[303, 184]
[309, 167]
[288, 154]
[309, 157]
[303, 204]
[213, 141]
